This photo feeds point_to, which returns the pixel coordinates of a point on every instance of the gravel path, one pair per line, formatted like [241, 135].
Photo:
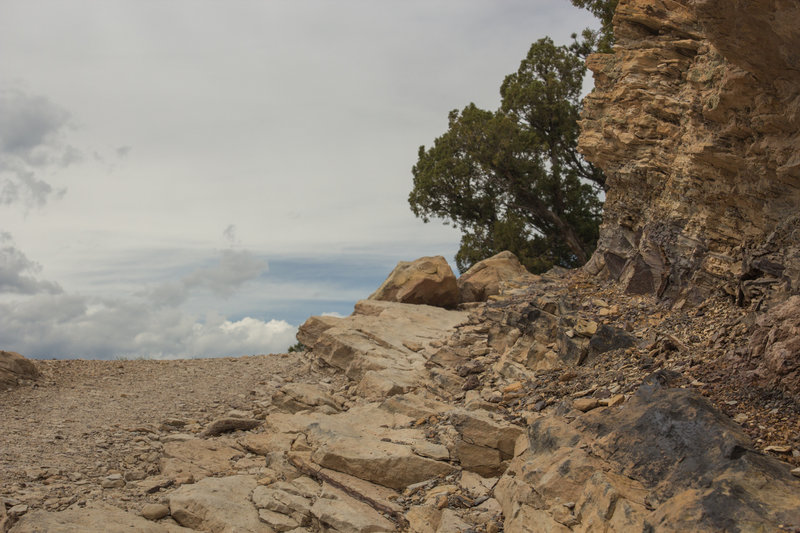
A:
[85, 420]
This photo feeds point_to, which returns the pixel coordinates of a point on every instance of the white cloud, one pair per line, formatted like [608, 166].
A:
[150, 323]
[18, 274]
[31, 140]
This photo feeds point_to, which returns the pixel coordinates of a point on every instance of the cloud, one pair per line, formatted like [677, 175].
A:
[31, 140]
[66, 326]
[18, 274]
[232, 270]
[47, 322]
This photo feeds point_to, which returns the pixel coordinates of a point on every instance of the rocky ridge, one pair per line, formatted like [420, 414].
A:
[561, 404]
[695, 118]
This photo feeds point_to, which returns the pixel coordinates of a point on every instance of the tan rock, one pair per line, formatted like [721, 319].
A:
[385, 463]
[226, 425]
[483, 279]
[428, 280]
[155, 511]
[656, 124]
[375, 336]
[423, 518]
[217, 505]
[586, 404]
[14, 367]
[199, 458]
[95, 518]
[340, 511]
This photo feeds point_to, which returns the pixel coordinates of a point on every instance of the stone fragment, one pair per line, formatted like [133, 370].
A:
[114, 481]
[294, 397]
[483, 279]
[225, 425]
[155, 511]
[428, 280]
[277, 521]
[343, 513]
[423, 518]
[450, 522]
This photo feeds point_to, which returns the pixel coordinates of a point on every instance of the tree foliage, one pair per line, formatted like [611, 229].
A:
[604, 11]
[512, 178]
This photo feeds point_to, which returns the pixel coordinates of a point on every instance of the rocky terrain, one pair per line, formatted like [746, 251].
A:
[656, 389]
[560, 404]
[695, 120]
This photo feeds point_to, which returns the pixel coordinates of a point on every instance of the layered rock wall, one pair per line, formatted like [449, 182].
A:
[696, 121]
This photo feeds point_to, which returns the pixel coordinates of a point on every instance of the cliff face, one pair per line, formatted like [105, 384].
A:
[696, 120]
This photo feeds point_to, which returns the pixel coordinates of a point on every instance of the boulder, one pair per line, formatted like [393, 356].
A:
[376, 338]
[14, 367]
[428, 280]
[218, 505]
[665, 460]
[483, 278]
[94, 518]
[775, 345]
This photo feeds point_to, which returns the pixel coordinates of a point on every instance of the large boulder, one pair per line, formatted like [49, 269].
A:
[428, 280]
[14, 367]
[775, 345]
[483, 278]
[665, 460]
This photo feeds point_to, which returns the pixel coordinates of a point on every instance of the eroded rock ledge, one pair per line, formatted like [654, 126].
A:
[696, 121]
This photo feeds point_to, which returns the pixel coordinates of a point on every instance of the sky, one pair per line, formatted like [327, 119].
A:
[195, 178]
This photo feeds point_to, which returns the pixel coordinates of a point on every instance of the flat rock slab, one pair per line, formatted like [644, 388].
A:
[95, 519]
[338, 510]
[218, 505]
[376, 338]
[199, 458]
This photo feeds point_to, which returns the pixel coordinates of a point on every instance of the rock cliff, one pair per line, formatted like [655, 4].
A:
[696, 121]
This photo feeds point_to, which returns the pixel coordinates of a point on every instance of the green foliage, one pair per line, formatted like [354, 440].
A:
[512, 179]
[603, 10]
[299, 347]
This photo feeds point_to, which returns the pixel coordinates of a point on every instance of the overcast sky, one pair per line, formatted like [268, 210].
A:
[195, 178]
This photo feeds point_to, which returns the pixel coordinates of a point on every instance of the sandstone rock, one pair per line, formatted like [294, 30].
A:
[665, 460]
[338, 510]
[374, 338]
[775, 345]
[225, 425]
[198, 458]
[14, 367]
[114, 481]
[385, 463]
[155, 511]
[95, 518]
[586, 404]
[218, 505]
[483, 278]
[682, 211]
[294, 397]
[428, 280]
[424, 518]
[286, 503]
[277, 521]
[450, 522]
